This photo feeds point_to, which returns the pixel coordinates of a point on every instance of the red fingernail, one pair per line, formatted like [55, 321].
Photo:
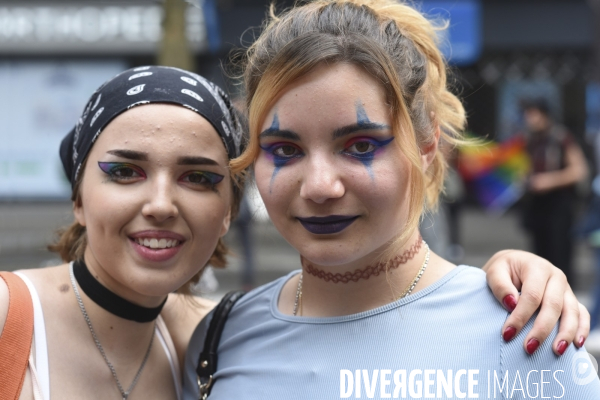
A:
[581, 341]
[562, 346]
[509, 333]
[532, 345]
[509, 302]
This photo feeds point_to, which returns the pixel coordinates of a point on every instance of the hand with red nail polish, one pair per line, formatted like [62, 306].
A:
[510, 303]
[562, 346]
[526, 284]
[532, 345]
[509, 333]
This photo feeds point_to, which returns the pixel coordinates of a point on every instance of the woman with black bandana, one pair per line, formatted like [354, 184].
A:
[152, 197]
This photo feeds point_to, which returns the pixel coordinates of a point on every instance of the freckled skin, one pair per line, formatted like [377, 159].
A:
[327, 181]
[64, 288]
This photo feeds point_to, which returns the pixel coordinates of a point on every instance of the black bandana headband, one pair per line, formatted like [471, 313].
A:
[145, 85]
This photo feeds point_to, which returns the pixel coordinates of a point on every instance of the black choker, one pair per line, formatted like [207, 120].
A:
[111, 302]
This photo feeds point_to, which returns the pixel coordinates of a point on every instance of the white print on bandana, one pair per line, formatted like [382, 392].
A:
[95, 117]
[136, 89]
[192, 94]
[139, 103]
[97, 101]
[226, 128]
[190, 107]
[141, 74]
[189, 80]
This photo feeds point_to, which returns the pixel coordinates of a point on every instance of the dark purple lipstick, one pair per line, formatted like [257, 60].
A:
[327, 225]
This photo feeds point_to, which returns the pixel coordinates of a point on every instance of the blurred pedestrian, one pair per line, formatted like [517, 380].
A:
[558, 164]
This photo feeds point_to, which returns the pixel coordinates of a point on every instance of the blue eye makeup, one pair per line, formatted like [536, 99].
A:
[280, 153]
[365, 148]
[203, 178]
[121, 172]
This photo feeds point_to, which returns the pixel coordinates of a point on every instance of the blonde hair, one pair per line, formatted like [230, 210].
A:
[393, 42]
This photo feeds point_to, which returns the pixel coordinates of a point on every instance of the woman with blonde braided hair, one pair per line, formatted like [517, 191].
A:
[348, 103]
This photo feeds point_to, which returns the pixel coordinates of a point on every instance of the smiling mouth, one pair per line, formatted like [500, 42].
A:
[327, 225]
[157, 244]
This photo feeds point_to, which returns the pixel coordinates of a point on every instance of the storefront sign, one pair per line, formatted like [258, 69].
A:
[88, 28]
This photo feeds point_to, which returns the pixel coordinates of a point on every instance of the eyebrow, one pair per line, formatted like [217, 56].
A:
[362, 126]
[141, 156]
[286, 134]
[191, 160]
[130, 154]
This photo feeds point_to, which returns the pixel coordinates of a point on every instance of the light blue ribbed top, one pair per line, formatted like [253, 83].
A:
[436, 342]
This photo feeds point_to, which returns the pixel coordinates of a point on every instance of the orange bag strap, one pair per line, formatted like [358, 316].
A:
[15, 341]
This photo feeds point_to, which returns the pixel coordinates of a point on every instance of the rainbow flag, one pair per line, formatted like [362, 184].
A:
[496, 171]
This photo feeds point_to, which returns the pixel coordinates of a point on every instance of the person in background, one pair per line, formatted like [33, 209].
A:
[557, 165]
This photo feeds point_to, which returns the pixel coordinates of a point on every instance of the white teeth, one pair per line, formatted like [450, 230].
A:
[154, 243]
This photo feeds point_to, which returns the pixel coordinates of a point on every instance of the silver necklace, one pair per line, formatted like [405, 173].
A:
[124, 393]
[406, 292]
[419, 274]
[298, 294]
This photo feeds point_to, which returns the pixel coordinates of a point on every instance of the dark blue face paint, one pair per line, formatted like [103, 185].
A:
[279, 153]
[364, 149]
[361, 114]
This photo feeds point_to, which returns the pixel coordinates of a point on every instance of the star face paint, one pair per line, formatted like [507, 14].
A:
[365, 148]
[280, 153]
[361, 114]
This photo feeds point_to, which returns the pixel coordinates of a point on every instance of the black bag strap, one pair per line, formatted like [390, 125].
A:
[207, 363]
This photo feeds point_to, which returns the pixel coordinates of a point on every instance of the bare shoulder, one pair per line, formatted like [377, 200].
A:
[44, 277]
[40, 278]
[49, 283]
[181, 315]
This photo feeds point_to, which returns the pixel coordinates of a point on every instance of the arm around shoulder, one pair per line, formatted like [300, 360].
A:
[544, 374]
